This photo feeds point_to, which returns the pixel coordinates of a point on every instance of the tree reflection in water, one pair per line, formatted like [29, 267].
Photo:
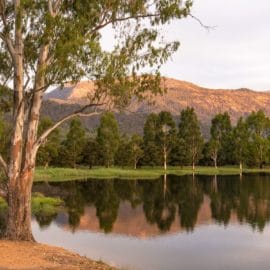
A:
[163, 202]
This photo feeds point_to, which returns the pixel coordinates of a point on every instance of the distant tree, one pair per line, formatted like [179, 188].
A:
[190, 133]
[240, 142]
[159, 138]
[136, 149]
[73, 145]
[152, 155]
[130, 151]
[213, 146]
[219, 146]
[178, 154]
[91, 153]
[259, 131]
[108, 138]
[166, 134]
[123, 153]
[49, 150]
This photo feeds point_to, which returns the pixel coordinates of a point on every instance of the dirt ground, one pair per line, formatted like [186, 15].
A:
[33, 256]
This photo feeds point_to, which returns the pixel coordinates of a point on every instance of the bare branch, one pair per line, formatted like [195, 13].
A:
[79, 112]
[4, 166]
[207, 27]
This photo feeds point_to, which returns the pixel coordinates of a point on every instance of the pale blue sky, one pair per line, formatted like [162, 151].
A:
[236, 54]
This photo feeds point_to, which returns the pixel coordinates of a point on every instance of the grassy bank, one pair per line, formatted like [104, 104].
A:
[65, 174]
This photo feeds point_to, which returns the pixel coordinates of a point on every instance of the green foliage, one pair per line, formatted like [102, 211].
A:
[240, 141]
[91, 153]
[122, 155]
[136, 149]
[49, 151]
[159, 138]
[190, 135]
[166, 134]
[108, 138]
[5, 97]
[72, 147]
[72, 31]
[5, 135]
[220, 141]
[259, 131]
[152, 155]
[130, 151]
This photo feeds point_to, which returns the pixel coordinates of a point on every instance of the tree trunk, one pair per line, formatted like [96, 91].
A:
[19, 209]
[165, 158]
[215, 162]
[193, 166]
[241, 166]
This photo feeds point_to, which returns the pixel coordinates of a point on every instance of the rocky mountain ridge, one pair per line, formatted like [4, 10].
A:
[179, 95]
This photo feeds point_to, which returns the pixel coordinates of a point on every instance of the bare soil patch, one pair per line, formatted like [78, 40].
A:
[34, 256]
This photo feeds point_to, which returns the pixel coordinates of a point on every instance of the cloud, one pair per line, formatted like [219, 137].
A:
[236, 54]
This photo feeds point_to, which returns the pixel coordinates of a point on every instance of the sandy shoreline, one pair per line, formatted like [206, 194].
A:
[34, 256]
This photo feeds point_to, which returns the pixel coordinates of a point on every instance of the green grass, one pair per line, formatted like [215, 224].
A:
[66, 174]
[40, 204]
[45, 205]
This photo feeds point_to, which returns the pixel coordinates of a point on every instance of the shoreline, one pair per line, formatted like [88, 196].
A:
[68, 174]
[26, 255]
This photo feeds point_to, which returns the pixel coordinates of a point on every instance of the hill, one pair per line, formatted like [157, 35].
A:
[179, 95]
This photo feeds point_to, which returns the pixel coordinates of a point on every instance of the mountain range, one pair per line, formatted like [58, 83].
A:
[179, 95]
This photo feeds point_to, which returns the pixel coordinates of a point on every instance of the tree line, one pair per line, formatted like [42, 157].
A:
[163, 142]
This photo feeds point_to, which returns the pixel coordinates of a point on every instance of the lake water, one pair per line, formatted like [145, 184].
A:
[174, 223]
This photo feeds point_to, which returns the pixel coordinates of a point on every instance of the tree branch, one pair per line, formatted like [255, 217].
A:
[5, 36]
[104, 24]
[79, 112]
[207, 27]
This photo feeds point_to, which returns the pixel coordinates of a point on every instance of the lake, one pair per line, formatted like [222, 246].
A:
[174, 223]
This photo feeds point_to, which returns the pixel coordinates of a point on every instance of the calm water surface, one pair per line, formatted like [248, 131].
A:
[175, 223]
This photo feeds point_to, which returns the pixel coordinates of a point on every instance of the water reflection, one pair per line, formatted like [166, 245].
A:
[145, 208]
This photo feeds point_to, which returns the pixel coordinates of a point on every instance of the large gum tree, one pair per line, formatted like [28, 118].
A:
[51, 42]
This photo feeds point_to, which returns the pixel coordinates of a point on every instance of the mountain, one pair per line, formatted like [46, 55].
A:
[179, 95]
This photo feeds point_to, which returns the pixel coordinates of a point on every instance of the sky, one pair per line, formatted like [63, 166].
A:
[235, 54]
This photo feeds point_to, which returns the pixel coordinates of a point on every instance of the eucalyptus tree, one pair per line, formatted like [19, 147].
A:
[240, 142]
[130, 151]
[108, 138]
[166, 133]
[74, 144]
[220, 140]
[258, 125]
[136, 149]
[190, 133]
[151, 150]
[50, 42]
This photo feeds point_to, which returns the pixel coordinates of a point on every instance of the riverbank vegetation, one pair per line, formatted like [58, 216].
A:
[167, 142]
[67, 174]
